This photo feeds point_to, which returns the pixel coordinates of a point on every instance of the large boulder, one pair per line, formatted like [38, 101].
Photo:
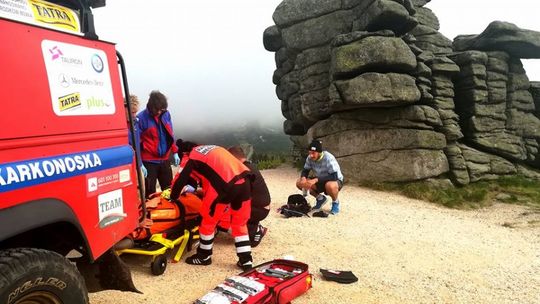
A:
[484, 166]
[502, 36]
[293, 128]
[501, 143]
[272, 39]
[535, 92]
[378, 90]
[374, 53]
[312, 56]
[426, 17]
[385, 14]
[289, 12]
[394, 165]
[411, 117]
[317, 31]
[367, 141]
[420, 3]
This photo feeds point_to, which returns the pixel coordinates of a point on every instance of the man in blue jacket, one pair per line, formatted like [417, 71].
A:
[157, 142]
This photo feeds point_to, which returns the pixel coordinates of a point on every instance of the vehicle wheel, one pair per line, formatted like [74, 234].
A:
[159, 264]
[29, 275]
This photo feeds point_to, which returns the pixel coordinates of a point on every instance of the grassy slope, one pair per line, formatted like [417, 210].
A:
[513, 190]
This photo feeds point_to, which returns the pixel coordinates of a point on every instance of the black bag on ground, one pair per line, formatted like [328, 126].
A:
[297, 206]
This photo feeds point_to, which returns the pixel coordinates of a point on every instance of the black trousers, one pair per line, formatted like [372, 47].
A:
[161, 172]
[257, 215]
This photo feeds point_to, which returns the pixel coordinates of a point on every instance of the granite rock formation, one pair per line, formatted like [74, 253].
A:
[395, 100]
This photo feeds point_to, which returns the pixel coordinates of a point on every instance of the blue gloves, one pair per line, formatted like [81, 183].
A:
[176, 159]
[189, 189]
[144, 171]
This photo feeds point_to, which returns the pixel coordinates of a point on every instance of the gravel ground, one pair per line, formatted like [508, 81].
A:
[401, 250]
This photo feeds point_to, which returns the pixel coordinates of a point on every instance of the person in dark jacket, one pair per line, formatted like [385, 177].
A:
[226, 187]
[157, 142]
[260, 199]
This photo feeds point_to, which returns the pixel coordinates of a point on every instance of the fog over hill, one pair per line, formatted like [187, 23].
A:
[265, 138]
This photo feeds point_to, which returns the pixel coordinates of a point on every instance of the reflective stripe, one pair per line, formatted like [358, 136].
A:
[206, 247]
[243, 249]
[241, 238]
[206, 237]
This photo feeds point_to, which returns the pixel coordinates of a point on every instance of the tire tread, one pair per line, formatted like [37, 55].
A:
[13, 262]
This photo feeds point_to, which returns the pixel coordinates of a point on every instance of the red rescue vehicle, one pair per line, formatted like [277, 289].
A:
[68, 176]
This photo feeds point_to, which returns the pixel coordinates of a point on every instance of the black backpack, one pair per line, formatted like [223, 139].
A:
[297, 206]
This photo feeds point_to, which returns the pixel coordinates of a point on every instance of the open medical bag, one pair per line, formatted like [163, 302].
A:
[274, 282]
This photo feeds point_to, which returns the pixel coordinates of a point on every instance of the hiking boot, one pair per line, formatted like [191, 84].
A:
[198, 260]
[258, 236]
[245, 266]
[335, 208]
[319, 202]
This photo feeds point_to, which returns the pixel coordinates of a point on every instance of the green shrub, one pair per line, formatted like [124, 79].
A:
[268, 160]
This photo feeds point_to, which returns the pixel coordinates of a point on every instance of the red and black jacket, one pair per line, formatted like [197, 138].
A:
[214, 167]
[148, 128]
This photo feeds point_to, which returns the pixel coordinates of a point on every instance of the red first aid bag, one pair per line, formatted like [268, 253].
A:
[274, 282]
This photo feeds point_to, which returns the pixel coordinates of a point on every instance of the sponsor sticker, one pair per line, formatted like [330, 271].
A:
[111, 208]
[92, 164]
[125, 176]
[69, 101]
[41, 13]
[79, 79]
[92, 184]
[59, 17]
[107, 180]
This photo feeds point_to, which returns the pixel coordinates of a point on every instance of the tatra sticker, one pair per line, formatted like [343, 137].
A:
[69, 101]
[54, 15]
[79, 79]
[41, 13]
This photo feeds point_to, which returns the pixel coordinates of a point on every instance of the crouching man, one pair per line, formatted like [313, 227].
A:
[328, 178]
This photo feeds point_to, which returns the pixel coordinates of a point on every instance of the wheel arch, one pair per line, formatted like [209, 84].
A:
[45, 223]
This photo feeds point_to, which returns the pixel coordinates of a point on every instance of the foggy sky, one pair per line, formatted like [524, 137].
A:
[207, 56]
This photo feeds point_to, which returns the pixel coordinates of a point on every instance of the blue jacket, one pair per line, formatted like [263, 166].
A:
[157, 136]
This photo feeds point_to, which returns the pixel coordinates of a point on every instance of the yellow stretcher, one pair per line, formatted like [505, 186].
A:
[160, 247]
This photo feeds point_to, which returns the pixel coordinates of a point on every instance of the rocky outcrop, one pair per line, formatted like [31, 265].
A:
[377, 140]
[395, 100]
[497, 109]
[535, 93]
[502, 36]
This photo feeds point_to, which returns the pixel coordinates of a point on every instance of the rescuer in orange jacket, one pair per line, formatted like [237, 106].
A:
[226, 184]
